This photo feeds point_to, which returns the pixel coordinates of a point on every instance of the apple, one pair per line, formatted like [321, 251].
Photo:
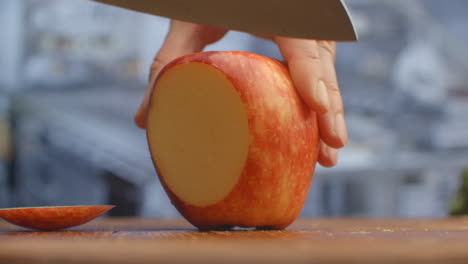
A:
[52, 217]
[232, 142]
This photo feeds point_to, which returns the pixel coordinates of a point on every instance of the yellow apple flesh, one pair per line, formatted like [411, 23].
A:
[231, 140]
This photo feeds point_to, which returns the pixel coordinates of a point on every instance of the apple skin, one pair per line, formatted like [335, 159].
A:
[53, 217]
[272, 189]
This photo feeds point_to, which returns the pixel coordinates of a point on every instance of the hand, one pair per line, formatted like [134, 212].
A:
[311, 64]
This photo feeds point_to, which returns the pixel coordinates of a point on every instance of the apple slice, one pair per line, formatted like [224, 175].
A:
[231, 140]
[53, 217]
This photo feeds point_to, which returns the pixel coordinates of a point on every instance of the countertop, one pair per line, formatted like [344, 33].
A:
[341, 240]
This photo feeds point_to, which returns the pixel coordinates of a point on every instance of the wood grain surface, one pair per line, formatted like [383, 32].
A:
[132, 240]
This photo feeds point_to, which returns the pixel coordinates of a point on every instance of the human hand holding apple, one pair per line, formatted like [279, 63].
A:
[310, 62]
[235, 136]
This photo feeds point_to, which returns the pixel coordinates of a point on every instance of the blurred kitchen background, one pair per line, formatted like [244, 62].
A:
[72, 74]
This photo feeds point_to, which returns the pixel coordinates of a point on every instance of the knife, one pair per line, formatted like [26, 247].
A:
[309, 19]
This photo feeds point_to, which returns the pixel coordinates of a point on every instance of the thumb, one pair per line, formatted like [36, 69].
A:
[183, 38]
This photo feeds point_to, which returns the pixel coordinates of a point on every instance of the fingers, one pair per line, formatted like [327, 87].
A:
[183, 38]
[332, 125]
[311, 64]
[328, 157]
[304, 62]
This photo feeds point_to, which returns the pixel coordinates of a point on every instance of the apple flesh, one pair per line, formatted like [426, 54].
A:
[231, 140]
[53, 217]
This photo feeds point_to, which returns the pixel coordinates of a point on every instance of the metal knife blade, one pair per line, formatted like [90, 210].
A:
[309, 19]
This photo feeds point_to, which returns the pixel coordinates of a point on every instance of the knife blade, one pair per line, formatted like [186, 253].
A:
[309, 19]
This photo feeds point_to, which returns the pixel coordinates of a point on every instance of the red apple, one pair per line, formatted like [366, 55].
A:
[53, 217]
[231, 140]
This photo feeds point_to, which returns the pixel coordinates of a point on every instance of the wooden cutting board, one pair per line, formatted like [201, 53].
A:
[132, 240]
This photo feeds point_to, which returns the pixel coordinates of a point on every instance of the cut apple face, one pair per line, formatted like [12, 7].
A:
[201, 135]
[50, 218]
